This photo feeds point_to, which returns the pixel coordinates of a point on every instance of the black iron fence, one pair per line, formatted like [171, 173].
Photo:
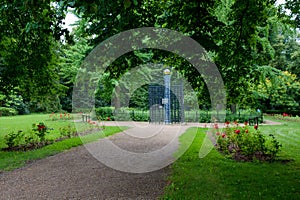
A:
[129, 114]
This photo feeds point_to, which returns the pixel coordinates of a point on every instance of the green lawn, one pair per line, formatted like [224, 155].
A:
[13, 160]
[216, 177]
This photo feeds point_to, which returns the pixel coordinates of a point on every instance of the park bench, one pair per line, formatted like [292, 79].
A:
[86, 117]
[254, 119]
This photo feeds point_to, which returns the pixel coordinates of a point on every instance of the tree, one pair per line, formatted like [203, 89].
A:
[281, 93]
[70, 62]
[26, 51]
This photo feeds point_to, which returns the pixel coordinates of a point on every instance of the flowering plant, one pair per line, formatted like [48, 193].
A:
[40, 130]
[246, 143]
[54, 116]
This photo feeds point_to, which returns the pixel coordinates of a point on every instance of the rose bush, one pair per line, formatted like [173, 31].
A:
[246, 143]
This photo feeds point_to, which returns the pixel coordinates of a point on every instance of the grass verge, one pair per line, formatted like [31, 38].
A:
[216, 177]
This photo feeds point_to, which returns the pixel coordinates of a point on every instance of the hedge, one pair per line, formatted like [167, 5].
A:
[8, 111]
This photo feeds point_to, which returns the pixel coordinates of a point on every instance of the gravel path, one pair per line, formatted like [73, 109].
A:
[76, 174]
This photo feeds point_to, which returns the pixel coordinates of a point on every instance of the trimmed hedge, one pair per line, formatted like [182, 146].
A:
[8, 111]
[123, 114]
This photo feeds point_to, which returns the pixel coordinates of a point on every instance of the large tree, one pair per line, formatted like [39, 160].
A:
[29, 30]
[231, 38]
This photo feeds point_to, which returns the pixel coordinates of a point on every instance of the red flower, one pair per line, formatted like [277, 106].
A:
[217, 133]
[216, 126]
[40, 127]
[246, 131]
[285, 115]
[223, 135]
[227, 122]
[235, 122]
[108, 118]
[237, 131]
[246, 123]
[256, 127]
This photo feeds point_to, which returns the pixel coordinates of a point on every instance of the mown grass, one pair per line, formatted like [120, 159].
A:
[216, 177]
[16, 159]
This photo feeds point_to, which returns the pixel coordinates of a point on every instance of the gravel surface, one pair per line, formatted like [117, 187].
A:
[76, 174]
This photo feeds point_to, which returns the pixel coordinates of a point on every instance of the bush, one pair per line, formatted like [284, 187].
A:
[246, 143]
[122, 114]
[13, 139]
[8, 111]
[67, 131]
[40, 130]
[22, 140]
[104, 112]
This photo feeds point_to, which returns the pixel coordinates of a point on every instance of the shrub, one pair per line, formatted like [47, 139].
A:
[8, 111]
[40, 130]
[67, 131]
[13, 139]
[246, 143]
[104, 112]
[29, 139]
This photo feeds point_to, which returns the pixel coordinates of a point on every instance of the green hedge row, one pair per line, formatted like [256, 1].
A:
[123, 114]
[129, 114]
[8, 111]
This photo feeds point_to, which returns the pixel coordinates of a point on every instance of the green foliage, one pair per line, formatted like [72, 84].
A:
[67, 131]
[203, 116]
[280, 91]
[27, 51]
[70, 59]
[104, 112]
[29, 138]
[240, 36]
[13, 100]
[121, 114]
[13, 139]
[7, 111]
[40, 130]
[246, 143]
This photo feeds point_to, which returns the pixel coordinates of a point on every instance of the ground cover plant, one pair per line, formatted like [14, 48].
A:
[218, 177]
[14, 159]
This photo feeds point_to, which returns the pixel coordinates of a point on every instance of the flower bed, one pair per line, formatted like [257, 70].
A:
[36, 137]
[246, 143]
